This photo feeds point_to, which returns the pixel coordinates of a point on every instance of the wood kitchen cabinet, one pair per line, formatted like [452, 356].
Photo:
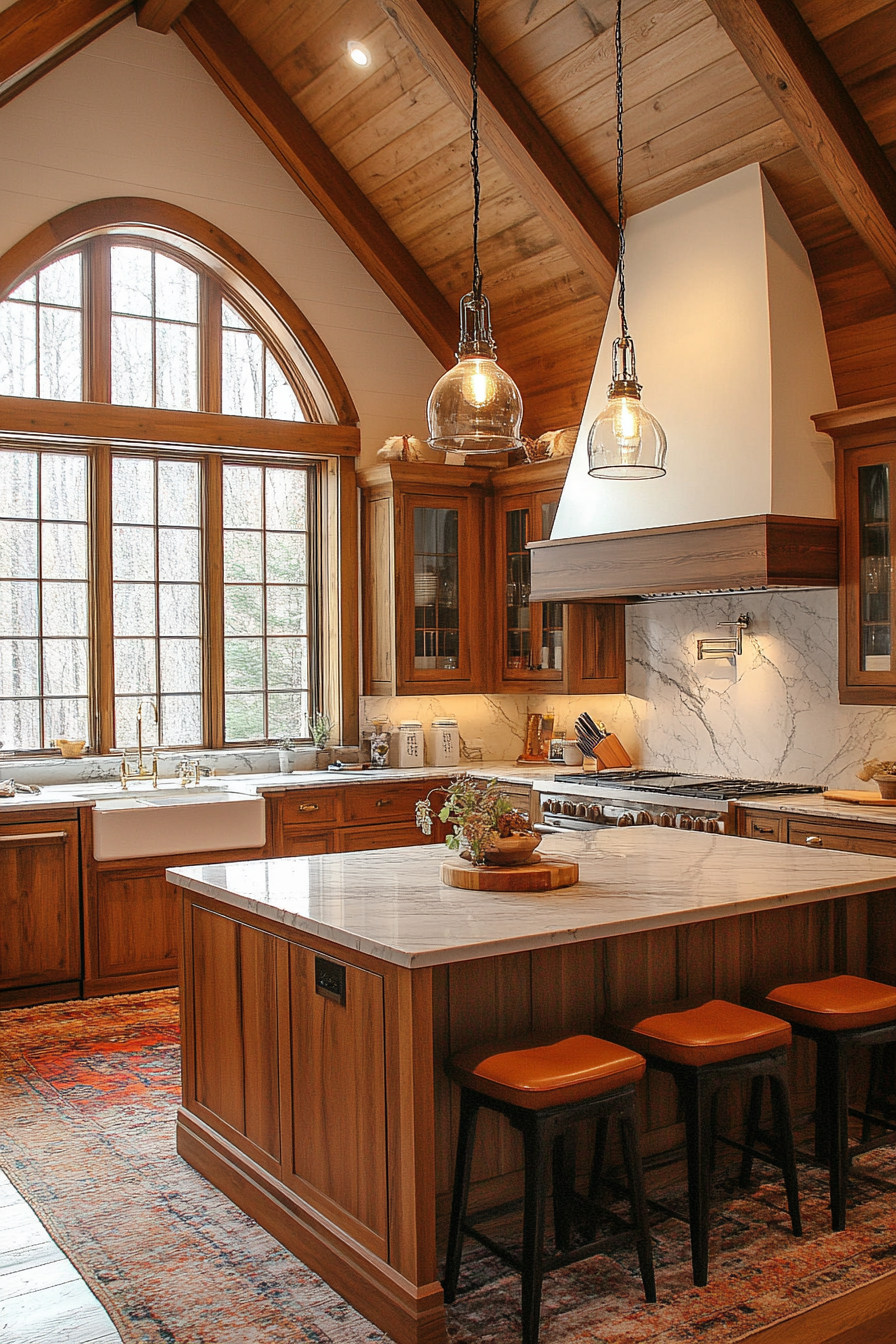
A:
[427, 612]
[40, 909]
[858, 837]
[446, 587]
[332, 820]
[865, 449]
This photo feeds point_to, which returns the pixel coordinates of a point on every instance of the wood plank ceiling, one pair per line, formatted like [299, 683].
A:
[399, 137]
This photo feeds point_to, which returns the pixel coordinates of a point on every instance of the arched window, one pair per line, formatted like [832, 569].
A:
[137, 323]
[185, 577]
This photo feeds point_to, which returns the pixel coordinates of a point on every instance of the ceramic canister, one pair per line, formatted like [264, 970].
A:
[443, 743]
[410, 743]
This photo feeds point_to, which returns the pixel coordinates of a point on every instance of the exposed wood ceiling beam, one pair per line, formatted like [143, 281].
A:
[532, 159]
[791, 67]
[159, 15]
[269, 110]
[38, 35]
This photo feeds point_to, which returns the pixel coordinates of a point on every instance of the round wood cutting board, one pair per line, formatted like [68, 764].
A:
[544, 876]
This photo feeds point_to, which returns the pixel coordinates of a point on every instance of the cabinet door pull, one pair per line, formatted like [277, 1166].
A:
[33, 838]
[763, 830]
[309, 807]
[815, 841]
[384, 802]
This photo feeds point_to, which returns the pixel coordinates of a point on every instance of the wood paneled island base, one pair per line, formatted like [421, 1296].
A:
[320, 996]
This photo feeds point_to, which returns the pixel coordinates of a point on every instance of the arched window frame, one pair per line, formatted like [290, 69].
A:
[224, 269]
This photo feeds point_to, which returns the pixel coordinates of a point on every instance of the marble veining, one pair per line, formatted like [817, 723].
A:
[391, 904]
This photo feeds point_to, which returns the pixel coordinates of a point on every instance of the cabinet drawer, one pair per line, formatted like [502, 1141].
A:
[857, 841]
[298, 840]
[311, 807]
[389, 803]
[763, 826]
[354, 838]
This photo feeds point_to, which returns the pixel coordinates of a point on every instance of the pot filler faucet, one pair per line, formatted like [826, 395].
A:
[140, 771]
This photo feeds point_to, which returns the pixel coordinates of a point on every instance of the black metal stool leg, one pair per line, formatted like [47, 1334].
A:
[838, 1148]
[536, 1149]
[466, 1135]
[783, 1128]
[564, 1180]
[697, 1103]
[754, 1115]
[631, 1154]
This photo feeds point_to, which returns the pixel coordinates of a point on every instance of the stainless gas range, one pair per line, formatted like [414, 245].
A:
[650, 798]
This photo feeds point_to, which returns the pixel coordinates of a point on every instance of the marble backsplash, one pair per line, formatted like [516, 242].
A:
[773, 715]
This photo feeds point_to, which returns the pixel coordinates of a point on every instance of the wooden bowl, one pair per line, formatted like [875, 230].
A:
[511, 850]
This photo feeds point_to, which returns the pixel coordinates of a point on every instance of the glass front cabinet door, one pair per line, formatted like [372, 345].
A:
[532, 648]
[865, 443]
[427, 610]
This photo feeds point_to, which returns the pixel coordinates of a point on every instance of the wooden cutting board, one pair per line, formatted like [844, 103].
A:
[544, 876]
[859, 796]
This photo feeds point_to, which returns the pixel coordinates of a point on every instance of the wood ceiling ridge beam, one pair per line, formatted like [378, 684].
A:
[246, 81]
[800, 81]
[38, 35]
[159, 15]
[441, 37]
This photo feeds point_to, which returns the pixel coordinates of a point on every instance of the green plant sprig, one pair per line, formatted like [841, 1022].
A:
[479, 814]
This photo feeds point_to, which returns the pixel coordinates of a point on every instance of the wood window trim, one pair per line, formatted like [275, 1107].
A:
[120, 212]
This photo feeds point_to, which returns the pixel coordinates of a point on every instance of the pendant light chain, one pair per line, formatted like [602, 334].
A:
[474, 151]
[620, 158]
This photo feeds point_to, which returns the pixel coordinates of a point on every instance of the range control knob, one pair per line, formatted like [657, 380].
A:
[666, 819]
[581, 810]
[643, 819]
[547, 806]
[594, 813]
[699, 824]
[625, 819]
[685, 823]
[711, 826]
[569, 809]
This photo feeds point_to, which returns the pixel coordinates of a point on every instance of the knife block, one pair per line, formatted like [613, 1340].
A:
[610, 754]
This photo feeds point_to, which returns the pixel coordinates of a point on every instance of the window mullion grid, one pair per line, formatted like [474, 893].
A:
[157, 636]
[40, 603]
[212, 515]
[102, 658]
[264, 601]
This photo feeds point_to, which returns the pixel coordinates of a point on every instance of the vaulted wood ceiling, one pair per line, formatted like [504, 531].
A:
[808, 90]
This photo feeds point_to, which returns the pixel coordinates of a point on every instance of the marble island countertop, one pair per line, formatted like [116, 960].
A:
[391, 904]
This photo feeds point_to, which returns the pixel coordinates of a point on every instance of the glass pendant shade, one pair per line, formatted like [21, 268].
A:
[626, 443]
[475, 407]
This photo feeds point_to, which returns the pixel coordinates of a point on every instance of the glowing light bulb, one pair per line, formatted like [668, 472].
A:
[479, 385]
[358, 53]
[626, 443]
[627, 426]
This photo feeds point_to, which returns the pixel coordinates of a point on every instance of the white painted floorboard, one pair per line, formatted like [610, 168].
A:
[42, 1296]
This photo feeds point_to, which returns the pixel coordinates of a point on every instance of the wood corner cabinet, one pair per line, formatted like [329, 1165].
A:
[865, 450]
[426, 609]
[40, 908]
[446, 593]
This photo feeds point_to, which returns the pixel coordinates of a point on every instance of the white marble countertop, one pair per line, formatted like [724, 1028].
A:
[106, 792]
[816, 806]
[391, 904]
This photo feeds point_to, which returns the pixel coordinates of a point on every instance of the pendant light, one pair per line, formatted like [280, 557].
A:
[475, 407]
[625, 443]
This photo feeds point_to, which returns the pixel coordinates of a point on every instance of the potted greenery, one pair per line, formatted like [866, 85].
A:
[320, 729]
[487, 828]
[286, 751]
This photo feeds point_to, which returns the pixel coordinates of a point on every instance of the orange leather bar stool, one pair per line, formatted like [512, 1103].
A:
[839, 1013]
[704, 1048]
[545, 1086]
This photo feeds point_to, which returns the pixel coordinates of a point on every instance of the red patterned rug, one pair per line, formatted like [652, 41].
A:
[87, 1109]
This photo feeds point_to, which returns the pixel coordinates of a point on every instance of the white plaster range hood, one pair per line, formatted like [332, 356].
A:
[732, 355]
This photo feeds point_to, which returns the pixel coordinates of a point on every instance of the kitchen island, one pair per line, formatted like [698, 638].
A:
[320, 996]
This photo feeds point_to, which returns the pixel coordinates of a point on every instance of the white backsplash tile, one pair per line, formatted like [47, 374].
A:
[775, 715]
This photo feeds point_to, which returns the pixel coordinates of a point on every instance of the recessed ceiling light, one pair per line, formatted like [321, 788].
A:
[358, 53]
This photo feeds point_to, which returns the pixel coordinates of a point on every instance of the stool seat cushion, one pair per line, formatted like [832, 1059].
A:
[708, 1034]
[835, 1003]
[537, 1072]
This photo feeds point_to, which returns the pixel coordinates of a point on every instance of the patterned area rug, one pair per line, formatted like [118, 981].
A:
[87, 1108]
